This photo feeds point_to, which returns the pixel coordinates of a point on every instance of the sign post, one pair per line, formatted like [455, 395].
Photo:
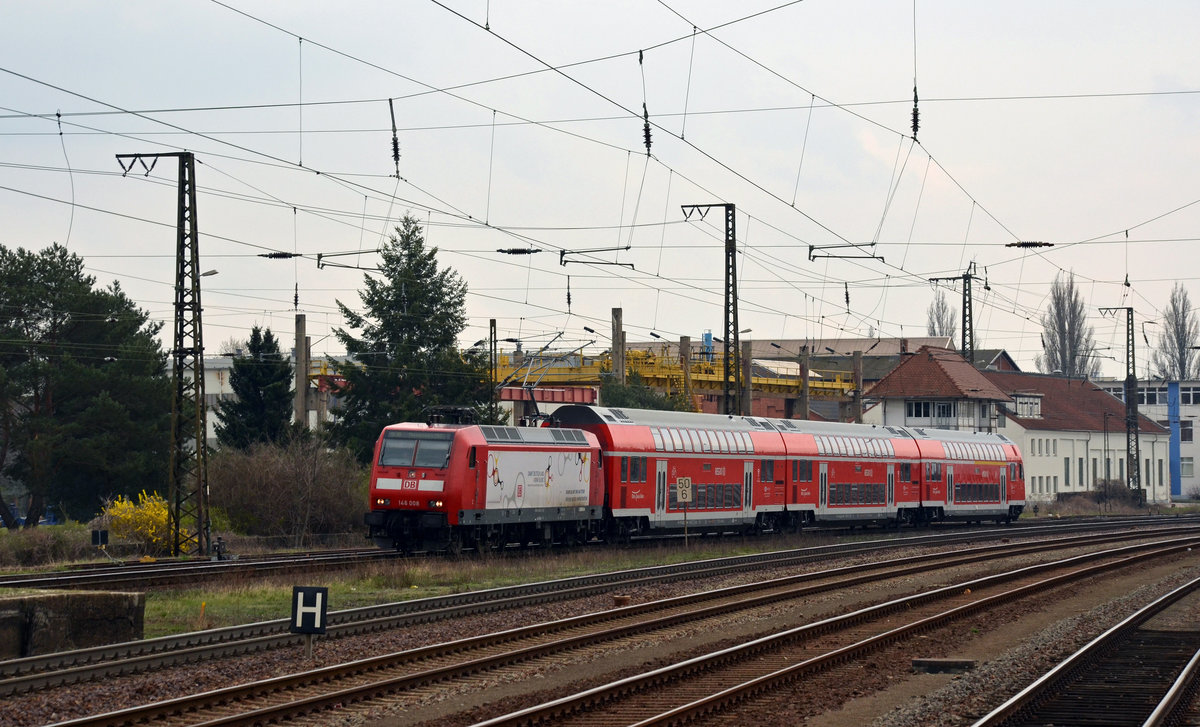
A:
[309, 605]
[683, 494]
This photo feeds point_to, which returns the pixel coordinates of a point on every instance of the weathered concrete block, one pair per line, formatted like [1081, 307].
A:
[43, 623]
[942, 665]
[12, 633]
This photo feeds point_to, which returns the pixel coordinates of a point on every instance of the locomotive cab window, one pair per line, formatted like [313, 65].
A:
[415, 449]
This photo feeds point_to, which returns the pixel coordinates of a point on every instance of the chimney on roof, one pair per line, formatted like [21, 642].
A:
[903, 345]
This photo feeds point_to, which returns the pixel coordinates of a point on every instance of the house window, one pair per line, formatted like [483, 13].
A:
[1186, 467]
[1189, 395]
[1067, 471]
[916, 409]
[1185, 430]
[945, 409]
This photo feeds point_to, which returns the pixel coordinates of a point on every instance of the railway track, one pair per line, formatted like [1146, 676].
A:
[53, 670]
[143, 576]
[137, 575]
[1136, 673]
[714, 682]
[291, 697]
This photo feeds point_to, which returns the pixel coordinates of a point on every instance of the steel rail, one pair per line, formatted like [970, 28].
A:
[296, 705]
[52, 670]
[592, 699]
[1026, 700]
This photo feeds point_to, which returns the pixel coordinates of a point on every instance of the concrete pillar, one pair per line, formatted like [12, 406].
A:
[856, 409]
[747, 392]
[300, 400]
[618, 347]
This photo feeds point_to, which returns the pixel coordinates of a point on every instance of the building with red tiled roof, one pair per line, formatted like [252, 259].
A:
[1072, 435]
[936, 387]
[1071, 432]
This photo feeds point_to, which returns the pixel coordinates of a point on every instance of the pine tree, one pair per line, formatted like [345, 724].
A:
[84, 391]
[405, 358]
[262, 381]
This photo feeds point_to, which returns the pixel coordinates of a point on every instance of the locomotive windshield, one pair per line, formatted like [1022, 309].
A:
[415, 449]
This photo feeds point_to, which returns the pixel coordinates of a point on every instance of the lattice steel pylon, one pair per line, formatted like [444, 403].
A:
[1133, 455]
[731, 399]
[188, 475]
[968, 311]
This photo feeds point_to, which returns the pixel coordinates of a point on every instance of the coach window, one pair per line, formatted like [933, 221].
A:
[658, 440]
[637, 469]
[906, 472]
[767, 470]
[624, 469]
[933, 471]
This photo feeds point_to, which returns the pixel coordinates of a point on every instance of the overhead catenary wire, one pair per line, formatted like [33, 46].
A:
[489, 221]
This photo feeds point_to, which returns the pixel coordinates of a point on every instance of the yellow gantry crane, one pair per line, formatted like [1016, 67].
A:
[664, 373]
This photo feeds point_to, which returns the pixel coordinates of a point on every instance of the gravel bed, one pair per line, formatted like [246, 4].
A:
[965, 700]
[115, 693]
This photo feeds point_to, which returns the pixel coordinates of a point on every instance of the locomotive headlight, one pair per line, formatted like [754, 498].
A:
[382, 502]
[435, 503]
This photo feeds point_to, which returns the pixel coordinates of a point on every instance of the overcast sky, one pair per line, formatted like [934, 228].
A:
[520, 126]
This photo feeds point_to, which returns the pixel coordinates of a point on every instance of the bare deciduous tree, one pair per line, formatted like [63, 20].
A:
[1175, 359]
[1069, 346]
[941, 319]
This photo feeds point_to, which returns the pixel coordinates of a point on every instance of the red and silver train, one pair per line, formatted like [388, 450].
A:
[612, 473]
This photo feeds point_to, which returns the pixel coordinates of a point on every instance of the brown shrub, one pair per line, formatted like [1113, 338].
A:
[293, 490]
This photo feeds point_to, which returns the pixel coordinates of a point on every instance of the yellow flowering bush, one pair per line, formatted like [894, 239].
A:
[147, 522]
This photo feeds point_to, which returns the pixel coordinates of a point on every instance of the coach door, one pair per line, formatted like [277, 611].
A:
[950, 483]
[660, 488]
[1003, 484]
[824, 493]
[748, 487]
[891, 491]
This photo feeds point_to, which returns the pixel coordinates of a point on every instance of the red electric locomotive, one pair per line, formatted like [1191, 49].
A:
[449, 486]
